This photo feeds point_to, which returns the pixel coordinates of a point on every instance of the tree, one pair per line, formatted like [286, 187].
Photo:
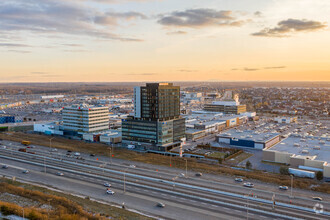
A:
[319, 175]
[248, 165]
[284, 170]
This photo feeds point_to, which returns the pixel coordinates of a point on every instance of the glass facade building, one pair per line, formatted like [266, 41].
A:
[156, 118]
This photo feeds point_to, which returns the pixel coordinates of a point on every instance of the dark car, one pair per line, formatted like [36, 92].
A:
[4, 166]
[92, 155]
[161, 205]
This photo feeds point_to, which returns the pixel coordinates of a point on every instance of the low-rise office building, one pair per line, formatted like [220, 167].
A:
[85, 118]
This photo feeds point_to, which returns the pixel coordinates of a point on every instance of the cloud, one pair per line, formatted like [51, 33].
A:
[176, 33]
[75, 51]
[111, 18]
[19, 51]
[187, 70]
[196, 18]
[250, 69]
[39, 73]
[45, 74]
[286, 27]
[141, 74]
[73, 45]
[275, 67]
[13, 45]
[51, 17]
[257, 14]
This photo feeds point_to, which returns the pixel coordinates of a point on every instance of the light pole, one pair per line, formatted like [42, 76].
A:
[50, 142]
[125, 179]
[291, 185]
[186, 167]
[247, 205]
[170, 160]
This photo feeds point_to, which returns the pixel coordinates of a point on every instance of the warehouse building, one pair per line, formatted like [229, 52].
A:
[250, 139]
[309, 153]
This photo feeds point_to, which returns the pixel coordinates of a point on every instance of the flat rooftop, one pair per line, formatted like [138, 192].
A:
[315, 146]
[248, 135]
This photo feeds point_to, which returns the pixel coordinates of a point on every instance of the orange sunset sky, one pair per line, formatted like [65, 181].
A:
[164, 40]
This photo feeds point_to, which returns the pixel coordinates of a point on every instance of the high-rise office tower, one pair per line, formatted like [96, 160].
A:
[156, 123]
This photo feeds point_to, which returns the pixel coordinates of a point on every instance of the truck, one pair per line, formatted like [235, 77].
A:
[26, 143]
[302, 173]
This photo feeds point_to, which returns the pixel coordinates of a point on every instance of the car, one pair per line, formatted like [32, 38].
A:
[54, 150]
[92, 155]
[160, 205]
[248, 184]
[132, 166]
[69, 151]
[59, 174]
[107, 184]
[238, 179]
[317, 198]
[26, 171]
[4, 166]
[77, 154]
[283, 187]
[110, 192]
[198, 174]
[182, 175]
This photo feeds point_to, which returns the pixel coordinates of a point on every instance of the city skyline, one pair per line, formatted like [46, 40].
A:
[163, 40]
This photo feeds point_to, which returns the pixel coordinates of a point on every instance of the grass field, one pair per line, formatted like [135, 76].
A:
[239, 158]
[193, 164]
[217, 155]
[62, 206]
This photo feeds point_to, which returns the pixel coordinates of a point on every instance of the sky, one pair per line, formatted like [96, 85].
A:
[164, 40]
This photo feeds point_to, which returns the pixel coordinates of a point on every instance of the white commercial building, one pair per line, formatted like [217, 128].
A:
[85, 118]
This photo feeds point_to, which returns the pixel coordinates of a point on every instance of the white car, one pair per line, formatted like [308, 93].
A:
[132, 166]
[182, 175]
[110, 192]
[238, 179]
[77, 154]
[248, 184]
[107, 184]
[283, 187]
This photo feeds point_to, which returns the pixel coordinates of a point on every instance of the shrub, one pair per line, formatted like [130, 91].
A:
[248, 165]
[319, 175]
[284, 170]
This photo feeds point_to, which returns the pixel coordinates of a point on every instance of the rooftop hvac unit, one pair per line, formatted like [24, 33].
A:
[316, 148]
[296, 145]
[304, 151]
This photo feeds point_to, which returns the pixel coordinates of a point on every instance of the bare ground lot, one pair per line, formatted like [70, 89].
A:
[194, 164]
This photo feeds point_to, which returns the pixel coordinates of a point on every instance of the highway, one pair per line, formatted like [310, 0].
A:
[193, 197]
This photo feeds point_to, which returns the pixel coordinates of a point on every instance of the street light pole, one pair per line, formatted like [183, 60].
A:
[125, 179]
[186, 168]
[291, 184]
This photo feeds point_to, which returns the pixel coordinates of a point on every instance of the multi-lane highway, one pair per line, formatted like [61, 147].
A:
[141, 188]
